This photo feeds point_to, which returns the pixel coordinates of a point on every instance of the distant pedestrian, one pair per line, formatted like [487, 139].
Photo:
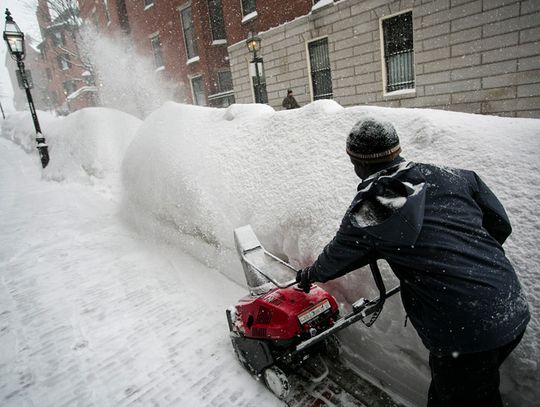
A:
[290, 102]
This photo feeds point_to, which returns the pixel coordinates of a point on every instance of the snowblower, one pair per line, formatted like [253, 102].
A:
[278, 329]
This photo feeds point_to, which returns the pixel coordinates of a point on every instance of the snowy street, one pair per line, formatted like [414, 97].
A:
[87, 319]
[117, 261]
[90, 315]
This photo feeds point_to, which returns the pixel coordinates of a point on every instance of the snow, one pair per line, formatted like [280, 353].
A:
[249, 17]
[190, 175]
[321, 4]
[87, 145]
[193, 60]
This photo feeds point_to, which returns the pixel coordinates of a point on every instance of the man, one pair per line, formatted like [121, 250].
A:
[290, 102]
[441, 231]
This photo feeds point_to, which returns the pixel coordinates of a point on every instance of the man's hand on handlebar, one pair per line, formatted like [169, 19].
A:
[303, 278]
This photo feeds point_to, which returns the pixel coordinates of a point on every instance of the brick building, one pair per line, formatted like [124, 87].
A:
[475, 56]
[185, 39]
[109, 15]
[70, 86]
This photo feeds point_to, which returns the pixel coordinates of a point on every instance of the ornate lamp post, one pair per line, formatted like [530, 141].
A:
[253, 43]
[15, 41]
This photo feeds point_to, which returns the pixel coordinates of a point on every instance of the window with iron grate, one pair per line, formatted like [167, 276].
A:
[399, 52]
[321, 75]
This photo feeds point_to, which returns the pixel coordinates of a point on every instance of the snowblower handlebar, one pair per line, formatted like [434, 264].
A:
[285, 284]
[361, 309]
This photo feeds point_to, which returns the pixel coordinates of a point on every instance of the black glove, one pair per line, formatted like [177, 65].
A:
[303, 278]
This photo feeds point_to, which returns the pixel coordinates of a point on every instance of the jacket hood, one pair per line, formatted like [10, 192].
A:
[390, 209]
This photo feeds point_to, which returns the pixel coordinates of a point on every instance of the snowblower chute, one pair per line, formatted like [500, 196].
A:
[278, 328]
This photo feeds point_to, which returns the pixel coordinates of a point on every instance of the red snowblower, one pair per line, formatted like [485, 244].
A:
[278, 329]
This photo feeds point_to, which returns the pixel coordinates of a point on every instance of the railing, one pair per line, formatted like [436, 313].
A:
[400, 71]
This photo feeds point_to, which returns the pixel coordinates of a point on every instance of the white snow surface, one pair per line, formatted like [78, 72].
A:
[193, 174]
[88, 145]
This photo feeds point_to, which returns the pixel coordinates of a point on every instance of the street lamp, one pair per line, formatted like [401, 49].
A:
[15, 41]
[253, 43]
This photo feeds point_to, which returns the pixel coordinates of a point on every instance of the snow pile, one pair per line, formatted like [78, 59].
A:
[19, 128]
[194, 174]
[86, 147]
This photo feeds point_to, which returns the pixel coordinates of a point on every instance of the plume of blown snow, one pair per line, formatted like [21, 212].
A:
[126, 79]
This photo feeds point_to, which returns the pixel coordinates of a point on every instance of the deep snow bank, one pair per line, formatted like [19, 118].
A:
[200, 172]
[86, 146]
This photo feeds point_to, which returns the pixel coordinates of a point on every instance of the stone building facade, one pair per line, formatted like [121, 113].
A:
[477, 56]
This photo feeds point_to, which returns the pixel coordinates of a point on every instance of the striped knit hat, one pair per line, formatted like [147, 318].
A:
[373, 141]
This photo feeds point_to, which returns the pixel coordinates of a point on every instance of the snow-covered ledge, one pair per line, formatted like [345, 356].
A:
[322, 4]
[80, 91]
[400, 92]
[148, 6]
[219, 42]
[192, 60]
[248, 17]
[160, 68]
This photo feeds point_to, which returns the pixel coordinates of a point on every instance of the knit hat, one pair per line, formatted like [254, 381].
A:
[373, 141]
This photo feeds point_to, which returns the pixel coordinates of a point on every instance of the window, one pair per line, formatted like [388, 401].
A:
[398, 52]
[58, 38]
[88, 79]
[225, 83]
[197, 87]
[189, 33]
[217, 23]
[121, 10]
[63, 62]
[248, 6]
[225, 96]
[321, 76]
[69, 87]
[48, 73]
[148, 3]
[54, 98]
[95, 19]
[259, 81]
[156, 49]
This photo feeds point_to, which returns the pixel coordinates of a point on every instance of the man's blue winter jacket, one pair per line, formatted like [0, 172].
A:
[441, 232]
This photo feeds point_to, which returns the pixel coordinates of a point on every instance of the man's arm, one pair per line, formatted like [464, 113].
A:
[495, 219]
[341, 256]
